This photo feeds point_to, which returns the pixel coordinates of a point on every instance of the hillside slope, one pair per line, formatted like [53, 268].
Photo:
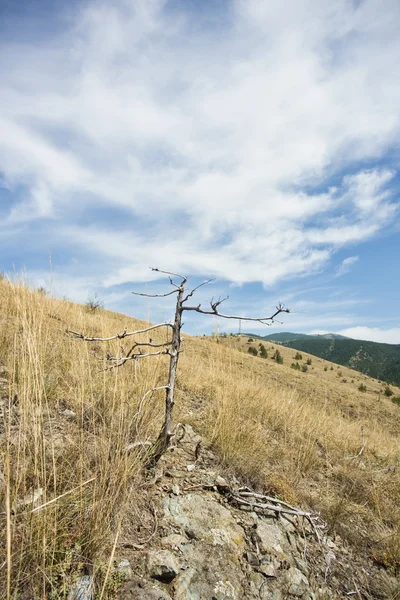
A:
[377, 360]
[71, 474]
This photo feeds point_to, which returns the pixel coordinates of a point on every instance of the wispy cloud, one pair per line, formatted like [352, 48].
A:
[252, 150]
[213, 142]
[346, 265]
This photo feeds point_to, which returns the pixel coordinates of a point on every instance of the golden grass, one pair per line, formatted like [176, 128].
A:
[293, 434]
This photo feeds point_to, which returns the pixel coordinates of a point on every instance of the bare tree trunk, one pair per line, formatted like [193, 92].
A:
[164, 436]
[172, 348]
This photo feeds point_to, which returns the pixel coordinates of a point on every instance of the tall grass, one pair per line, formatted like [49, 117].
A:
[66, 480]
[65, 477]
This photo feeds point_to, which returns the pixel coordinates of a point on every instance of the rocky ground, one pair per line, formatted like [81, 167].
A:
[198, 542]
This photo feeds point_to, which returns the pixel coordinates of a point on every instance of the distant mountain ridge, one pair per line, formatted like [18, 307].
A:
[378, 360]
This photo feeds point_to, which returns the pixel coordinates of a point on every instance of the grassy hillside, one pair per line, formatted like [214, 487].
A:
[381, 361]
[67, 479]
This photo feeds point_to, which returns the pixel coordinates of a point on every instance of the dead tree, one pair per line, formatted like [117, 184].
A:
[172, 348]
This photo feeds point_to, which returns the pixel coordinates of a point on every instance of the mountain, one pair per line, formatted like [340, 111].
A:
[377, 360]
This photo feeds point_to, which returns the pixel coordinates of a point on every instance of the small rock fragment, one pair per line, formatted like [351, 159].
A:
[191, 467]
[82, 589]
[174, 540]
[224, 590]
[267, 569]
[69, 413]
[162, 565]
[124, 567]
[297, 582]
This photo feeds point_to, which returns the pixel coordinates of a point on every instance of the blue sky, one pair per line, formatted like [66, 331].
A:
[254, 142]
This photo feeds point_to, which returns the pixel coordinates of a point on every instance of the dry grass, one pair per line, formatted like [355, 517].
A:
[48, 454]
[291, 433]
[299, 435]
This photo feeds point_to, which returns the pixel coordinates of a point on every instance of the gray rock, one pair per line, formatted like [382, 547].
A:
[224, 590]
[162, 565]
[252, 558]
[205, 519]
[176, 489]
[296, 581]
[268, 569]
[271, 539]
[139, 589]
[69, 413]
[173, 541]
[82, 589]
[124, 567]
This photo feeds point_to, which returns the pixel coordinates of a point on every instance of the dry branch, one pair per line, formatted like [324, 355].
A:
[173, 349]
[118, 336]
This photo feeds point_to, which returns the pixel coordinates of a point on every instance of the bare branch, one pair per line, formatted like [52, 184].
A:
[279, 309]
[184, 279]
[118, 336]
[157, 295]
[124, 359]
[196, 288]
[214, 305]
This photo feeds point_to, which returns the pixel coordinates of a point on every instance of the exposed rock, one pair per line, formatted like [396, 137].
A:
[224, 590]
[162, 565]
[175, 540]
[297, 582]
[124, 567]
[268, 569]
[69, 413]
[82, 589]
[271, 539]
[139, 589]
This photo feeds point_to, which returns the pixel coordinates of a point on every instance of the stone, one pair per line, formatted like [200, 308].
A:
[175, 489]
[252, 558]
[224, 590]
[69, 413]
[82, 589]
[203, 518]
[124, 567]
[270, 538]
[139, 589]
[162, 565]
[191, 467]
[221, 483]
[173, 541]
[297, 582]
[268, 569]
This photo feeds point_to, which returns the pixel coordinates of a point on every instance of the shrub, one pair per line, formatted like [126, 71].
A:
[252, 350]
[331, 368]
[362, 387]
[263, 351]
[388, 392]
[325, 368]
[250, 340]
[298, 356]
[339, 373]
[309, 361]
[396, 399]
[295, 366]
[93, 304]
[304, 368]
[277, 357]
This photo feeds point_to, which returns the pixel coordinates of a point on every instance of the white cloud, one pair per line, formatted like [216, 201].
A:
[346, 265]
[373, 334]
[215, 140]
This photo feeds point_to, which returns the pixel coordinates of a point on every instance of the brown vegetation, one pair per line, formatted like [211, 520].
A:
[294, 434]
